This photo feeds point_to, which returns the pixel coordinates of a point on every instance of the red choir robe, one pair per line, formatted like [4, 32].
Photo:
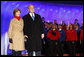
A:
[81, 34]
[71, 35]
[52, 37]
[67, 32]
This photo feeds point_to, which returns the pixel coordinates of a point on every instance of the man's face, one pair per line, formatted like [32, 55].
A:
[53, 26]
[76, 21]
[46, 24]
[63, 22]
[55, 21]
[31, 9]
[67, 27]
[70, 26]
[74, 26]
[60, 27]
[43, 19]
[82, 24]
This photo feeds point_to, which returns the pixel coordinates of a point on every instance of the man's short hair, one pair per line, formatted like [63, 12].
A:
[30, 5]
[43, 18]
[76, 19]
[59, 25]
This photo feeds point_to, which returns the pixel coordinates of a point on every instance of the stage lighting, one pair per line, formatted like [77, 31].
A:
[50, 9]
[48, 21]
[38, 8]
[26, 6]
[82, 11]
[5, 2]
[43, 10]
[13, 3]
[17, 5]
[76, 10]
[69, 12]
[64, 10]
[56, 11]
[61, 8]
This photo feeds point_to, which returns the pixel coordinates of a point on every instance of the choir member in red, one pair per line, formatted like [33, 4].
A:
[81, 40]
[81, 34]
[67, 37]
[53, 35]
[78, 41]
[71, 38]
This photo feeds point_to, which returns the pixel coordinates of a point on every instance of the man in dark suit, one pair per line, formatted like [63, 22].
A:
[33, 30]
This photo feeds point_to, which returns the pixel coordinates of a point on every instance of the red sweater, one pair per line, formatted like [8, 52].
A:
[67, 32]
[52, 37]
[71, 35]
[81, 34]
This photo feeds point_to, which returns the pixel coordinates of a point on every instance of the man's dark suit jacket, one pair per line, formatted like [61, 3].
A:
[33, 29]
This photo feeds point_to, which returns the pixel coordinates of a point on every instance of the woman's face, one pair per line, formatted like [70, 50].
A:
[63, 22]
[74, 26]
[67, 27]
[46, 24]
[55, 21]
[70, 26]
[53, 26]
[56, 26]
[60, 27]
[17, 13]
[82, 23]
[77, 27]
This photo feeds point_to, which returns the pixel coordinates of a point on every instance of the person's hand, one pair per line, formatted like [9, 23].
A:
[73, 42]
[10, 40]
[80, 42]
[42, 36]
[44, 42]
[25, 36]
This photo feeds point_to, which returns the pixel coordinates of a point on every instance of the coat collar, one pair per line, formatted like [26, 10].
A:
[29, 14]
[31, 17]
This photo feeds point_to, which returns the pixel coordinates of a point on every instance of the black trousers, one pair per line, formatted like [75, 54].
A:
[45, 47]
[55, 48]
[81, 48]
[16, 53]
[61, 48]
[78, 47]
[72, 47]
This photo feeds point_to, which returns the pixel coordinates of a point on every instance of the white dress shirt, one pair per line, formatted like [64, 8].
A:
[31, 14]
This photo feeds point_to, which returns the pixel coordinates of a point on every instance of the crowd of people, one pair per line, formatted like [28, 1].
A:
[38, 37]
[62, 38]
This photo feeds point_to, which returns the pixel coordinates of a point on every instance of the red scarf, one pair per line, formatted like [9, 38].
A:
[17, 17]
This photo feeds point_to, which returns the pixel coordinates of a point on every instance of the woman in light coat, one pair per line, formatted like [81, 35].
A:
[15, 34]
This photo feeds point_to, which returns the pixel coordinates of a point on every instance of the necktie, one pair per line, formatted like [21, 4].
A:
[32, 17]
